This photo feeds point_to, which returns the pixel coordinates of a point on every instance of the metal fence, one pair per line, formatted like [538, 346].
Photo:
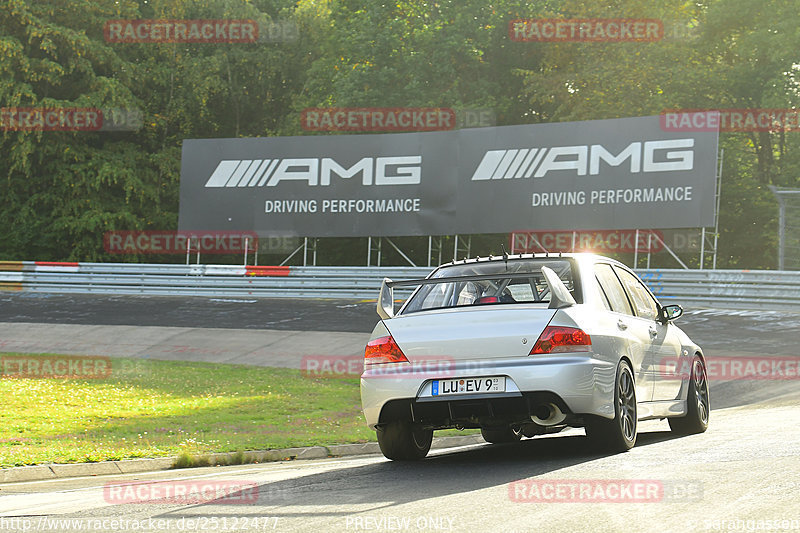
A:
[699, 288]
[200, 280]
[788, 227]
[736, 289]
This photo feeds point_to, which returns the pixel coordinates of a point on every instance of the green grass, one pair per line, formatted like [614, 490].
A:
[161, 408]
[151, 408]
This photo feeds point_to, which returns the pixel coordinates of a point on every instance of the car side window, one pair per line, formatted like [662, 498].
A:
[646, 307]
[601, 295]
[612, 288]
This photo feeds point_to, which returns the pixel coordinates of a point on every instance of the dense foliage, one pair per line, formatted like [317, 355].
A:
[63, 190]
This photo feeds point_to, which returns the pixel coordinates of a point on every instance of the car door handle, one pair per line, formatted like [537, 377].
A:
[622, 325]
[653, 332]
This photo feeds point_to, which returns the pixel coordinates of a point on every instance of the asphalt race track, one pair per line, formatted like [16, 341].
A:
[743, 474]
[194, 312]
[279, 332]
[743, 471]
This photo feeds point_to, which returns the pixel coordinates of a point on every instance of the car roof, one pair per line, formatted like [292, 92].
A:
[581, 257]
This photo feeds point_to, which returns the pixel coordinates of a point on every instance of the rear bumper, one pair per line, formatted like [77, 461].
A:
[578, 383]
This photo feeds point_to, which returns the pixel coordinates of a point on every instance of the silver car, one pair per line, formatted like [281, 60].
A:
[527, 345]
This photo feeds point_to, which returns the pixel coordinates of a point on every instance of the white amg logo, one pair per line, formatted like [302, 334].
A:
[402, 170]
[537, 162]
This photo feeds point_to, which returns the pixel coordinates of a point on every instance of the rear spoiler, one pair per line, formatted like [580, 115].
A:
[386, 299]
[559, 294]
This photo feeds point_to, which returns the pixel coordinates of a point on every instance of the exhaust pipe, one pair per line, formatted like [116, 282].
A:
[547, 414]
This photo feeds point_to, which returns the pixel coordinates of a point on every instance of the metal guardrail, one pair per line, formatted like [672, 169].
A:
[201, 280]
[739, 289]
[701, 288]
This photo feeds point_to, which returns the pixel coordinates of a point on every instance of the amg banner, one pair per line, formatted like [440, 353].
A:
[605, 174]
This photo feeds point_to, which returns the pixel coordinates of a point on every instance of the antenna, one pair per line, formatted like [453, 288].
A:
[505, 254]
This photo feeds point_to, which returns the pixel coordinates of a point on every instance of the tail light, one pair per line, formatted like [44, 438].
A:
[559, 339]
[384, 350]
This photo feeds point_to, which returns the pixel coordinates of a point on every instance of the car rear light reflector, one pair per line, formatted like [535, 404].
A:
[384, 350]
[559, 339]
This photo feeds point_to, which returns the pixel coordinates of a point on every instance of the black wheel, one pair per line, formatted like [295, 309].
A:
[619, 433]
[697, 403]
[500, 435]
[403, 441]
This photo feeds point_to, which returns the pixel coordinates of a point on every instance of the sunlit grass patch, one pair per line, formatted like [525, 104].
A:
[163, 408]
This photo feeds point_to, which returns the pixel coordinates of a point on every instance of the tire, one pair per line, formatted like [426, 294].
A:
[500, 435]
[697, 403]
[619, 433]
[403, 441]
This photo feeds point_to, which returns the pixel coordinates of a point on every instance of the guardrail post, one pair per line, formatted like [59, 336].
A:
[189, 248]
[314, 252]
[702, 247]
[369, 251]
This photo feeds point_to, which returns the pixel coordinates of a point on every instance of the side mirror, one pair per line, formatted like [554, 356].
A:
[386, 300]
[670, 312]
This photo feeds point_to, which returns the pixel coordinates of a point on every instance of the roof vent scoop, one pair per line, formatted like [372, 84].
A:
[559, 294]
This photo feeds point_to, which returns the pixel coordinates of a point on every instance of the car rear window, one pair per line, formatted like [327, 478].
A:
[495, 286]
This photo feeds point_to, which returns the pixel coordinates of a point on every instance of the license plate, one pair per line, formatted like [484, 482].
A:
[446, 387]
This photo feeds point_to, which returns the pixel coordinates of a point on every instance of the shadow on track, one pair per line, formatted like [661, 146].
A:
[384, 485]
